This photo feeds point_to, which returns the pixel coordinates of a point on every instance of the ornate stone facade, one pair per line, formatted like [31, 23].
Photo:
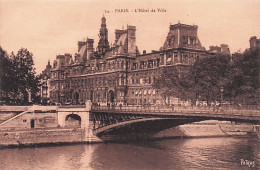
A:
[120, 74]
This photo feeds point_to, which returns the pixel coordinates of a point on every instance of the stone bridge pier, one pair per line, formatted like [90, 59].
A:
[82, 112]
[84, 115]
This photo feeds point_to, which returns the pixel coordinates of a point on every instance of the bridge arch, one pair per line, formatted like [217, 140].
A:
[73, 120]
[142, 125]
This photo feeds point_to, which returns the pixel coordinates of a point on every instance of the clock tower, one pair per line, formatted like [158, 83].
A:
[103, 44]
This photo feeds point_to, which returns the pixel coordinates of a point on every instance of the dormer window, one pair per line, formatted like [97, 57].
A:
[184, 39]
[191, 41]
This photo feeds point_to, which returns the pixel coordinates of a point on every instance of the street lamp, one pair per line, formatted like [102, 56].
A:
[221, 95]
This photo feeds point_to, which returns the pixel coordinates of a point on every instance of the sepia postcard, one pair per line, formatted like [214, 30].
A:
[122, 85]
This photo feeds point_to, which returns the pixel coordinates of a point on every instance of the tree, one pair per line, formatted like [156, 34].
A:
[28, 82]
[201, 81]
[245, 83]
[5, 64]
[18, 77]
[238, 76]
[208, 75]
[170, 83]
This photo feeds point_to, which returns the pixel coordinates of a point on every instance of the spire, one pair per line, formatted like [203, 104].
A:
[103, 44]
[103, 22]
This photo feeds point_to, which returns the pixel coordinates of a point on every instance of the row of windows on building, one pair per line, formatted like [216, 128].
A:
[93, 67]
[143, 101]
[190, 40]
[184, 59]
[146, 64]
[113, 65]
[139, 92]
[101, 95]
[92, 82]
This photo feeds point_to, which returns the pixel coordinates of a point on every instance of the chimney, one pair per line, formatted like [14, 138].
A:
[80, 44]
[252, 42]
[90, 48]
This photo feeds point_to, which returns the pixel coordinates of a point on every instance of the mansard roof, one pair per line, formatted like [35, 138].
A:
[120, 50]
[122, 40]
[183, 36]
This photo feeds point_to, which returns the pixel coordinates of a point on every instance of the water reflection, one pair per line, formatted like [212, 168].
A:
[200, 153]
[64, 157]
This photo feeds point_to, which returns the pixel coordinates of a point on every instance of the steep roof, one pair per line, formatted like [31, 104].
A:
[183, 36]
[122, 40]
[120, 50]
[83, 52]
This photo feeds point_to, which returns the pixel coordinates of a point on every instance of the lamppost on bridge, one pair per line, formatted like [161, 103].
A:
[221, 95]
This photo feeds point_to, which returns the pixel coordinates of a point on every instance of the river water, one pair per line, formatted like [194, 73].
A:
[195, 153]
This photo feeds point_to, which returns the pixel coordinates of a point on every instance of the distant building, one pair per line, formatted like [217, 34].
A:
[119, 74]
[45, 84]
[222, 49]
[254, 43]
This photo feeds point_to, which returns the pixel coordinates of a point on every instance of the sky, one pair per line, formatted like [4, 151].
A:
[49, 28]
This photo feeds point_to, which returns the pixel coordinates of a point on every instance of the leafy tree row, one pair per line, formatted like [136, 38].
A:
[18, 78]
[216, 78]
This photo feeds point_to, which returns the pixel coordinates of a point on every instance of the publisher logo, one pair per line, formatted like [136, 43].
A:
[248, 163]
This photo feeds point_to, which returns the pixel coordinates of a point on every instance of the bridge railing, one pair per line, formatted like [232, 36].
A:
[178, 109]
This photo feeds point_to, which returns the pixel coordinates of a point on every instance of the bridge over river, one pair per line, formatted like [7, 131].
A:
[122, 119]
[117, 120]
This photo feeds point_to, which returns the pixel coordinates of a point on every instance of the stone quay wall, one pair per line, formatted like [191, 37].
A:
[34, 125]
[46, 136]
